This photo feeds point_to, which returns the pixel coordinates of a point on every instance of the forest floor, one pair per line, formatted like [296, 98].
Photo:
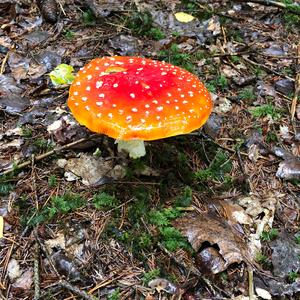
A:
[209, 215]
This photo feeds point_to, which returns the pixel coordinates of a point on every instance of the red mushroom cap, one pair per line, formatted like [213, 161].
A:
[136, 98]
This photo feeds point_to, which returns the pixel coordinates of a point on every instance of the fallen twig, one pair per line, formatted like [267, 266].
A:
[36, 269]
[251, 286]
[75, 290]
[266, 68]
[47, 154]
[297, 85]
[292, 8]
[2, 68]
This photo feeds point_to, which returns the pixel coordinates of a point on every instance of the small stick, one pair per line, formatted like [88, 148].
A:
[75, 290]
[3, 63]
[291, 8]
[297, 85]
[266, 68]
[251, 286]
[36, 276]
[47, 154]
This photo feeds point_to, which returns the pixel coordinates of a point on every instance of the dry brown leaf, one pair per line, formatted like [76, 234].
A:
[208, 228]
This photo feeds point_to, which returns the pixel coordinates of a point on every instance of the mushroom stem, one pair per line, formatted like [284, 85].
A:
[135, 148]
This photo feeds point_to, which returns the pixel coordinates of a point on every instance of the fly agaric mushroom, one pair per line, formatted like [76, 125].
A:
[134, 99]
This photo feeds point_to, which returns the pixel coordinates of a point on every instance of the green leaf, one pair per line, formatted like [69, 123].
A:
[62, 74]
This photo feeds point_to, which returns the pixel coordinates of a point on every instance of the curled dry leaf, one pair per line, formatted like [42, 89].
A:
[209, 261]
[208, 228]
[236, 213]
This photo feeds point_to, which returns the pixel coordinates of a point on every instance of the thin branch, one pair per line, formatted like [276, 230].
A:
[292, 8]
[75, 290]
[36, 276]
[297, 85]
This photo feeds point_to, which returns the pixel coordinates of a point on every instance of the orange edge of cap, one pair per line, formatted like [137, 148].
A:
[114, 131]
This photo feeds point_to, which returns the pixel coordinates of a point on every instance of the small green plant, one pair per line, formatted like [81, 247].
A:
[144, 240]
[176, 34]
[224, 277]
[247, 94]
[211, 86]
[104, 201]
[172, 239]
[88, 18]
[236, 35]
[178, 58]
[270, 235]
[148, 276]
[220, 166]
[266, 110]
[297, 239]
[141, 23]
[292, 276]
[263, 260]
[219, 83]
[271, 137]
[69, 34]
[42, 144]
[235, 59]
[287, 71]
[222, 82]
[63, 204]
[26, 132]
[156, 34]
[258, 71]
[5, 188]
[52, 181]
[164, 216]
[115, 295]
[185, 199]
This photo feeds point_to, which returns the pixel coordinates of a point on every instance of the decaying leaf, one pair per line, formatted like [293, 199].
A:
[210, 261]
[285, 255]
[161, 284]
[264, 294]
[92, 169]
[265, 206]
[200, 228]
[66, 266]
[289, 169]
[13, 269]
[10, 96]
[103, 8]
[25, 280]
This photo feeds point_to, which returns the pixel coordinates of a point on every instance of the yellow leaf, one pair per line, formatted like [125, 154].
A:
[1, 227]
[183, 17]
